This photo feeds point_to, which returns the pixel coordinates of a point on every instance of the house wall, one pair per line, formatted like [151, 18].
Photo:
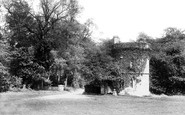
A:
[135, 66]
[142, 88]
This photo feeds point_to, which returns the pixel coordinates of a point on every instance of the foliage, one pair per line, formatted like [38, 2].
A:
[167, 62]
[50, 45]
[101, 67]
[24, 66]
[7, 82]
[4, 83]
[74, 48]
[4, 55]
[34, 35]
[115, 64]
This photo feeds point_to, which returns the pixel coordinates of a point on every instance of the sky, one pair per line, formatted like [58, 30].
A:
[128, 18]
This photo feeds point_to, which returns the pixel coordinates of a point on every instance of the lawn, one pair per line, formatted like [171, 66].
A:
[63, 103]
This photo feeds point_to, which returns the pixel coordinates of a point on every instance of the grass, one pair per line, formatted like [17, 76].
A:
[30, 103]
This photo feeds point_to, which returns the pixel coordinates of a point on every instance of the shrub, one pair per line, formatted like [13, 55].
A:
[16, 82]
[4, 82]
[8, 82]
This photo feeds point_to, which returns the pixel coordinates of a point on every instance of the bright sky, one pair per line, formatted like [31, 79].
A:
[127, 18]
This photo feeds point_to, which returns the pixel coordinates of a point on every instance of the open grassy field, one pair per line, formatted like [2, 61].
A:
[63, 103]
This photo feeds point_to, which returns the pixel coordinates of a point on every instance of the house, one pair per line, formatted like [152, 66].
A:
[133, 58]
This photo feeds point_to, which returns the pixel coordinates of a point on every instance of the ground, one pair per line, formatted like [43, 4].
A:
[64, 103]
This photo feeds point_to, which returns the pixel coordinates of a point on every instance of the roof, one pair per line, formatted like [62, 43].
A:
[132, 45]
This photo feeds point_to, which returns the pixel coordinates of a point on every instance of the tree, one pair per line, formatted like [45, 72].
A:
[4, 54]
[6, 80]
[54, 28]
[76, 51]
[102, 67]
[38, 31]
[167, 63]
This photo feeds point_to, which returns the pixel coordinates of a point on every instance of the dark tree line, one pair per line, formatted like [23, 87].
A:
[51, 47]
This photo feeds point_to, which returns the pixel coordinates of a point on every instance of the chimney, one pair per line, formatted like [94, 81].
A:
[116, 39]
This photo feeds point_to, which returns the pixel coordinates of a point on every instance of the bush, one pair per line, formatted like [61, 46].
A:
[16, 82]
[4, 82]
[8, 82]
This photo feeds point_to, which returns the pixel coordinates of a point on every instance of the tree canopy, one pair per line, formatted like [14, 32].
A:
[33, 36]
[51, 47]
[167, 62]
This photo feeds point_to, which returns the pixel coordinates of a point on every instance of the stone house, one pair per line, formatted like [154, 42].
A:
[134, 60]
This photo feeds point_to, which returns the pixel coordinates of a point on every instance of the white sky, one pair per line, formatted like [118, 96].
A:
[127, 18]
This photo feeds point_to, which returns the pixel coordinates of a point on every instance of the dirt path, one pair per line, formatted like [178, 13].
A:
[78, 94]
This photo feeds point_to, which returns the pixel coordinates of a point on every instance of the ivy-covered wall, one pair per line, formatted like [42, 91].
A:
[129, 60]
[132, 58]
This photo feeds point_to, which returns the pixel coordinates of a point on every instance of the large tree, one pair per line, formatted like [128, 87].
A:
[34, 36]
